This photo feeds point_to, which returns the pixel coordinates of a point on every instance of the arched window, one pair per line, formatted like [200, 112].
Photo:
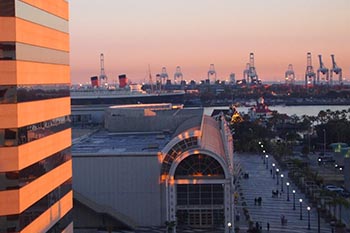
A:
[176, 151]
[199, 166]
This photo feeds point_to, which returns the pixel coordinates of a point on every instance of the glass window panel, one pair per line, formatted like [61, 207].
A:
[18, 179]
[7, 7]
[7, 51]
[13, 137]
[16, 223]
[25, 93]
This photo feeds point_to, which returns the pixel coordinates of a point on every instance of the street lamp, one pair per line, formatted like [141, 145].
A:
[267, 161]
[277, 171]
[324, 142]
[308, 217]
[287, 184]
[273, 171]
[293, 199]
[282, 182]
[301, 213]
[229, 225]
[318, 219]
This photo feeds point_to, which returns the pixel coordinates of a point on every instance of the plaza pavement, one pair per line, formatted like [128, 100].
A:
[260, 184]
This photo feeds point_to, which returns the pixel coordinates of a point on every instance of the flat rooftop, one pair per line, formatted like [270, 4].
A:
[105, 143]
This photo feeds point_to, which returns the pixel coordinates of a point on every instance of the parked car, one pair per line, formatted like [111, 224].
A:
[334, 188]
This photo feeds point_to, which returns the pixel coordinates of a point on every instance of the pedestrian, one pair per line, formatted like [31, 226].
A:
[271, 171]
[259, 200]
[238, 216]
[268, 226]
[255, 200]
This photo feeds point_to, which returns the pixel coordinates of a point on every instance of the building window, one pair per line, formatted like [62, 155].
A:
[16, 223]
[15, 137]
[200, 204]
[7, 51]
[199, 166]
[18, 179]
[7, 8]
[25, 93]
[176, 151]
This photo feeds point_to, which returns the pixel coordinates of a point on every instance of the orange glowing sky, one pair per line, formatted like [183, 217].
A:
[195, 33]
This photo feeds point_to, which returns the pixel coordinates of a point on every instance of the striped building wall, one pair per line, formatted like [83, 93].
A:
[35, 135]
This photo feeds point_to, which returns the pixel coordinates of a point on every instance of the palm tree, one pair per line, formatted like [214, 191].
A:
[341, 202]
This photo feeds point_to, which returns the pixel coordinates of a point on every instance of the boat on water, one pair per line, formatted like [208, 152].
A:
[129, 94]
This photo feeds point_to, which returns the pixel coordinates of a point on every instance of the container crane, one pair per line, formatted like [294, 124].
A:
[103, 77]
[164, 75]
[211, 72]
[290, 75]
[322, 70]
[246, 73]
[150, 79]
[336, 70]
[178, 74]
[253, 76]
[310, 75]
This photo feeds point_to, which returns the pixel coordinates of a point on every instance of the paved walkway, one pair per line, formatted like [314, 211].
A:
[260, 184]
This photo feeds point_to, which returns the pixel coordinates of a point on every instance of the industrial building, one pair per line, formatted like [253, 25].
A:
[35, 136]
[155, 164]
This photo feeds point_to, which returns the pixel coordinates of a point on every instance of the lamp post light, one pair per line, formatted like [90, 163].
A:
[282, 182]
[287, 184]
[267, 161]
[324, 142]
[308, 217]
[301, 211]
[293, 199]
[229, 225]
[277, 171]
[273, 171]
[318, 219]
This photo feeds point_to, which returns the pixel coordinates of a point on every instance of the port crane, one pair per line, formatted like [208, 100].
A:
[322, 70]
[336, 70]
[253, 75]
[178, 74]
[290, 75]
[164, 75]
[310, 75]
[211, 72]
[150, 79]
[246, 73]
[103, 77]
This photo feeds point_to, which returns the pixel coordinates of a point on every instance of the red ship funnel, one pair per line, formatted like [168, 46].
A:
[123, 80]
[94, 81]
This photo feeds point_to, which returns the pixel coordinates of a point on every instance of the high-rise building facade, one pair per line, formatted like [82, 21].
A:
[35, 135]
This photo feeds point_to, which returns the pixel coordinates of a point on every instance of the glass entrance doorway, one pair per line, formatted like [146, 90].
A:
[200, 205]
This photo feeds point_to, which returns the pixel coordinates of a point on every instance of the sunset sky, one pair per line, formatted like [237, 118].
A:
[195, 33]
